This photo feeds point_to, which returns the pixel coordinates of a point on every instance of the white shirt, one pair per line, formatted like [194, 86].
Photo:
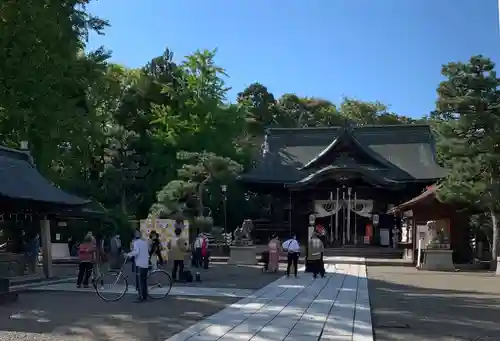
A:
[291, 245]
[198, 242]
[140, 252]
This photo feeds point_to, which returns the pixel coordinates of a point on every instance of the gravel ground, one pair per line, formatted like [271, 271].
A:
[434, 306]
[65, 316]
[219, 275]
[59, 316]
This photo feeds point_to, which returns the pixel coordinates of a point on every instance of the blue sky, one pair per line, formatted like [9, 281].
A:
[386, 50]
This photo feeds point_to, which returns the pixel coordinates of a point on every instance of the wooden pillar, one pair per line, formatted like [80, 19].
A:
[46, 247]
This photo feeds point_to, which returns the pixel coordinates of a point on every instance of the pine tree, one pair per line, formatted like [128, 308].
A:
[467, 122]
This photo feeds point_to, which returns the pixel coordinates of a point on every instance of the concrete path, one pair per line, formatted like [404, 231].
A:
[176, 291]
[336, 307]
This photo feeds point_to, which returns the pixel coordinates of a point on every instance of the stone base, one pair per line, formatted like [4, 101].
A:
[498, 266]
[243, 255]
[438, 260]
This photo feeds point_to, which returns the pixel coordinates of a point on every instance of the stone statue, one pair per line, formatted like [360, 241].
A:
[242, 235]
[438, 237]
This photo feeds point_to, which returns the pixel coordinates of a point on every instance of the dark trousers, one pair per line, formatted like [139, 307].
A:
[318, 268]
[84, 272]
[142, 282]
[178, 266]
[198, 261]
[293, 259]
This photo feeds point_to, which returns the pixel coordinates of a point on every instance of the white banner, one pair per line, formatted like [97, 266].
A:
[326, 208]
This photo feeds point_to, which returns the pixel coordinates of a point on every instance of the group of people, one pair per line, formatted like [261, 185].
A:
[292, 248]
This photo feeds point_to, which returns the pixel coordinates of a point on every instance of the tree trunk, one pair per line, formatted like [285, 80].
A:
[123, 202]
[201, 188]
[494, 239]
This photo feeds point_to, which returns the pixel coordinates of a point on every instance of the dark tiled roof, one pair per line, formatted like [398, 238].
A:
[19, 179]
[409, 149]
[428, 195]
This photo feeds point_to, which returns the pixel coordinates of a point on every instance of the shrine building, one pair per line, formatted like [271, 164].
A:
[348, 177]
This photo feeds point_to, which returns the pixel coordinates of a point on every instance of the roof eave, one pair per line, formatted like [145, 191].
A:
[368, 176]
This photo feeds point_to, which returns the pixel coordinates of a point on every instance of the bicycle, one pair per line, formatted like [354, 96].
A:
[157, 290]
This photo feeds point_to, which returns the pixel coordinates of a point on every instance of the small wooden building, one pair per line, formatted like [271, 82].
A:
[416, 212]
[28, 201]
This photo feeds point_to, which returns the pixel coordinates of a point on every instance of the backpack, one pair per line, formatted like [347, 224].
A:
[187, 276]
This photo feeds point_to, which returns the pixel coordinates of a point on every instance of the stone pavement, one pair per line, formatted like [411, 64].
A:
[408, 304]
[176, 291]
[217, 276]
[336, 307]
[72, 316]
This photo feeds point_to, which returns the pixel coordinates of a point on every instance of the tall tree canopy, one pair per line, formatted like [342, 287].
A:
[467, 121]
[121, 135]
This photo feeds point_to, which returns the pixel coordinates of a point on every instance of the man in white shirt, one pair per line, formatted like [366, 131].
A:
[197, 250]
[140, 252]
[292, 248]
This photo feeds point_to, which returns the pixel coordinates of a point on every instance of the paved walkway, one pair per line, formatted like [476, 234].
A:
[176, 291]
[336, 307]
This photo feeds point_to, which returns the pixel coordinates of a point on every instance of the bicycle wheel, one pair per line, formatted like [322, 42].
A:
[159, 284]
[111, 286]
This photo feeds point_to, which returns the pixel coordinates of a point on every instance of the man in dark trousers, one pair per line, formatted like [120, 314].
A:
[292, 248]
[178, 247]
[315, 252]
[140, 252]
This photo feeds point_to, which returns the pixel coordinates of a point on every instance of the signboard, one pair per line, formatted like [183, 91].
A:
[165, 229]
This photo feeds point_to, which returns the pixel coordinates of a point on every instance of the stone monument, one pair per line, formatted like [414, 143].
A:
[243, 251]
[437, 254]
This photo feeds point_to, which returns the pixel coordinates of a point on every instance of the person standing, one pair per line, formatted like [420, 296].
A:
[274, 253]
[292, 248]
[204, 251]
[71, 247]
[137, 235]
[155, 250]
[86, 252]
[140, 252]
[197, 251]
[115, 251]
[314, 255]
[178, 247]
[33, 249]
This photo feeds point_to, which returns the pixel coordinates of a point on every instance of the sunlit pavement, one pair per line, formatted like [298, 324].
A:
[408, 304]
[70, 316]
[115, 290]
[332, 308]
[336, 307]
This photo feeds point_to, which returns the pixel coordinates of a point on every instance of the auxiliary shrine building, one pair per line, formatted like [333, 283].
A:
[348, 177]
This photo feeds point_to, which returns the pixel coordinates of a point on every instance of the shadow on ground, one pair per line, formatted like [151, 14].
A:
[65, 316]
[408, 304]
[219, 275]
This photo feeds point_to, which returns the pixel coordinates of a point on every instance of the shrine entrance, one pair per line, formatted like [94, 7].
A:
[344, 218]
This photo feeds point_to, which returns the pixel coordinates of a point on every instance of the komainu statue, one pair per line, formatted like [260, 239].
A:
[438, 236]
[242, 235]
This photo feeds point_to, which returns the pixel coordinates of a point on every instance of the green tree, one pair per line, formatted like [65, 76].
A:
[467, 121]
[198, 171]
[44, 75]
[261, 107]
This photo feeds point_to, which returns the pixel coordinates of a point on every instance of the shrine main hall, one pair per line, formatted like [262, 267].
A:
[348, 177]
